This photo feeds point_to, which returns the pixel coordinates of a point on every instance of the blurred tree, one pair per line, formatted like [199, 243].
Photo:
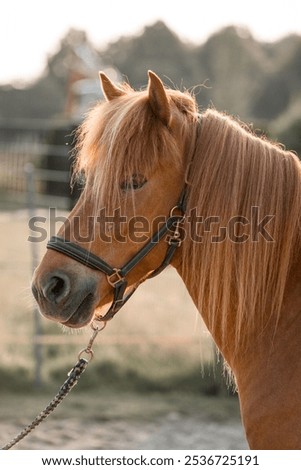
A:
[158, 49]
[291, 136]
[272, 99]
[256, 81]
[234, 65]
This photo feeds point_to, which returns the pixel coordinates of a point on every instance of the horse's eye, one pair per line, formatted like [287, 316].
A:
[133, 183]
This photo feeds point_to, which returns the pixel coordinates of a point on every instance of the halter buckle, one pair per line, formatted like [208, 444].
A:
[175, 238]
[115, 277]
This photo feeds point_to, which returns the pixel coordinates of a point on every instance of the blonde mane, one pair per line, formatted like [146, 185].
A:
[240, 277]
[122, 138]
[240, 283]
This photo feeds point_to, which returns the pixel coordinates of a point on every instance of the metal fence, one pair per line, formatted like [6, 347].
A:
[35, 170]
[46, 146]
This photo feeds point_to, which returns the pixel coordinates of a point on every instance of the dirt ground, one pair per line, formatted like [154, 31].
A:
[170, 432]
[162, 426]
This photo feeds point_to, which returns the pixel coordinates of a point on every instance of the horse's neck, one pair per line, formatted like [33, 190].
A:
[269, 377]
[268, 374]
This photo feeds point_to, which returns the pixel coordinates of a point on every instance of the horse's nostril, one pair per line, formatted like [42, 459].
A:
[56, 288]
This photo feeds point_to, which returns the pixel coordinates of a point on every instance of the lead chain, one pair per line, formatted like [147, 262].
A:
[72, 379]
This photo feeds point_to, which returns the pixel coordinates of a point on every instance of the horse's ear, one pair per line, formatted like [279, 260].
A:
[158, 98]
[110, 90]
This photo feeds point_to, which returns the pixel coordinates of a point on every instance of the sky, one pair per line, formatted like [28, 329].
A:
[30, 30]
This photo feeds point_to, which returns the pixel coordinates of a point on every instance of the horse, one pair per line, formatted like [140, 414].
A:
[165, 184]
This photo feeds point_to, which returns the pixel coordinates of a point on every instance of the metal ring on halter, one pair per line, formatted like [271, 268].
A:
[173, 213]
[96, 327]
[89, 352]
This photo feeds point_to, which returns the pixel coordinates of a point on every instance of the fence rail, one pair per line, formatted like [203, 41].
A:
[120, 340]
[48, 149]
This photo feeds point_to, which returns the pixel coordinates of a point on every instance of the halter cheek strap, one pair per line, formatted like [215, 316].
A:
[116, 277]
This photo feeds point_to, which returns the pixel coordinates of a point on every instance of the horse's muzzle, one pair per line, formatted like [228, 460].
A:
[65, 298]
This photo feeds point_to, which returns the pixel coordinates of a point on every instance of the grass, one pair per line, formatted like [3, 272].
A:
[159, 373]
[109, 405]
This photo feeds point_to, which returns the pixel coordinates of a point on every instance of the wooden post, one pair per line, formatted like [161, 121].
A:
[37, 346]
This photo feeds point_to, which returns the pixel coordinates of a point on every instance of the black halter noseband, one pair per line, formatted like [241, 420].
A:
[117, 276]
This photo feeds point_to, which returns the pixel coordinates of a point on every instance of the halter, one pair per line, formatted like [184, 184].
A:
[116, 277]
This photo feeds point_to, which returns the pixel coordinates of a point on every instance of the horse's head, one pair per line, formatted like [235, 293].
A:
[132, 150]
